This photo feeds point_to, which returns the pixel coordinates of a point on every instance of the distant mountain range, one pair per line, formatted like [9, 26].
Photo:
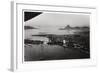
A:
[68, 27]
[29, 27]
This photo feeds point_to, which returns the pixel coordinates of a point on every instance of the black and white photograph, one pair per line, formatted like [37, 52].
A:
[56, 35]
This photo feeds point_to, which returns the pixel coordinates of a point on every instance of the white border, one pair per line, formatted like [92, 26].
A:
[17, 62]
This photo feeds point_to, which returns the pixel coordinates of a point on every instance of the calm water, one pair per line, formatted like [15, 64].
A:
[30, 32]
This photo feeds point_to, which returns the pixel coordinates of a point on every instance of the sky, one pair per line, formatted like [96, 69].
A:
[59, 20]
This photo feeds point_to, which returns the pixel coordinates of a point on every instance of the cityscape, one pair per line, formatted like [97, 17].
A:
[56, 36]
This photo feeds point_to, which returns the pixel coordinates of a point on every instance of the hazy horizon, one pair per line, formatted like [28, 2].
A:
[56, 20]
[52, 22]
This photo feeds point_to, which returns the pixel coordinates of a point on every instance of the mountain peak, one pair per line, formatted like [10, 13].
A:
[67, 27]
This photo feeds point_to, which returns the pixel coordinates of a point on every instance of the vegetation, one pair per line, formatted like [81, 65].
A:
[80, 41]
